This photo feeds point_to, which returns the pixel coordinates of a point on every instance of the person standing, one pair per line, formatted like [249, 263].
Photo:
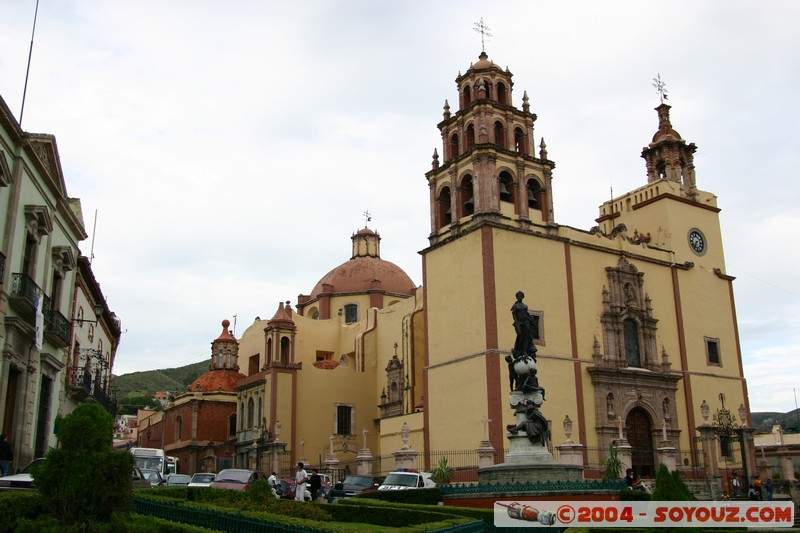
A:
[273, 482]
[768, 487]
[735, 484]
[6, 456]
[300, 480]
[314, 484]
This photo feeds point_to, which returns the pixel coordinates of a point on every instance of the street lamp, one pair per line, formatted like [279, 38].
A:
[98, 310]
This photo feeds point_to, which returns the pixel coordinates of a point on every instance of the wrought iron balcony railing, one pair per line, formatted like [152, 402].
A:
[57, 328]
[23, 294]
[2, 267]
[86, 387]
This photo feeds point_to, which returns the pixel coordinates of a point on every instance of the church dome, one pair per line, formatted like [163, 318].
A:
[223, 373]
[361, 274]
[365, 270]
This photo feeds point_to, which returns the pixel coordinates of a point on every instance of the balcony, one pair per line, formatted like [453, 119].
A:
[57, 328]
[84, 389]
[22, 296]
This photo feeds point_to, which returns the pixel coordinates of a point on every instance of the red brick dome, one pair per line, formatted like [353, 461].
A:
[361, 274]
[217, 380]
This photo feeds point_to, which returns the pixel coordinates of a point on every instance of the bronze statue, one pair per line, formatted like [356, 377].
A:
[522, 362]
[535, 426]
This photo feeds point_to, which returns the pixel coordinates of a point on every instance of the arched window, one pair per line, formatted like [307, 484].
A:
[232, 425]
[178, 428]
[506, 183]
[285, 355]
[502, 94]
[661, 170]
[467, 95]
[488, 88]
[631, 332]
[313, 313]
[453, 146]
[533, 194]
[250, 414]
[241, 415]
[470, 137]
[520, 141]
[260, 409]
[269, 352]
[499, 134]
[350, 313]
[443, 214]
[466, 197]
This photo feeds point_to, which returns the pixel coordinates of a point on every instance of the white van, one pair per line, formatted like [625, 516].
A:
[402, 480]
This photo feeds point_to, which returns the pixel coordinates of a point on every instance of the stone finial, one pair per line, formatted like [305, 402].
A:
[435, 162]
[526, 107]
[446, 113]
[542, 150]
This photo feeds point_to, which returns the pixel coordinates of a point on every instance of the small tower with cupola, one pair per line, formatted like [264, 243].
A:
[489, 168]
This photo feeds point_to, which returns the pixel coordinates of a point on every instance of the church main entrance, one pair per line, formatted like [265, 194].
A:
[640, 437]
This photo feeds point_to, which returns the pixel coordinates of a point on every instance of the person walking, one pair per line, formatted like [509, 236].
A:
[300, 480]
[6, 456]
[736, 485]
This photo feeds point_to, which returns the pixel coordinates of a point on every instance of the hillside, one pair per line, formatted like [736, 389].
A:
[151, 381]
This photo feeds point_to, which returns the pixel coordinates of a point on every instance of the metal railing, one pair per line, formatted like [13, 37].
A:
[93, 389]
[57, 327]
[23, 292]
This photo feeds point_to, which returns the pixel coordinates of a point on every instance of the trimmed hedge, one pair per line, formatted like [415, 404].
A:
[129, 524]
[15, 506]
[419, 496]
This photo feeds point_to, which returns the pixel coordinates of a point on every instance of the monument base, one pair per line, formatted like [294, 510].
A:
[527, 461]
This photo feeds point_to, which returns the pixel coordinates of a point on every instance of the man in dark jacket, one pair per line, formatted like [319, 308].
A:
[314, 484]
[6, 456]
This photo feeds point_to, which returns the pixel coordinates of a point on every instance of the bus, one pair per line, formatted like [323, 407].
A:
[172, 464]
[151, 459]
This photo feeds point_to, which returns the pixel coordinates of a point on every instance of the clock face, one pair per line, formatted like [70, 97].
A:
[697, 241]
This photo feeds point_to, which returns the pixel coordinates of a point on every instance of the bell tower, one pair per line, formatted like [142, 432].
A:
[489, 169]
[670, 157]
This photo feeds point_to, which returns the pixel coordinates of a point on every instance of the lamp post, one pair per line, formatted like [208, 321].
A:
[98, 311]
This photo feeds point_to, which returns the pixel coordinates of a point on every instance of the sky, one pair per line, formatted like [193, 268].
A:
[230, 149]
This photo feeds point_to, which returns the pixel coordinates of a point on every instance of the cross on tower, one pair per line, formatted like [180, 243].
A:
[661, 88]
[367, 217]
[483, 29]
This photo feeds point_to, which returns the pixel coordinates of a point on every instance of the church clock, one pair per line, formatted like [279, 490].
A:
[697, 241]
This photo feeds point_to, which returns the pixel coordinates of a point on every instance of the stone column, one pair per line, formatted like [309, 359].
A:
[787, 467]
[274, 451]
[667, 454]
[364, 458]
[708, 436]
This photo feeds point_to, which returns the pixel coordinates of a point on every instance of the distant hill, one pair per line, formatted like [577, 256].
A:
[151, 381]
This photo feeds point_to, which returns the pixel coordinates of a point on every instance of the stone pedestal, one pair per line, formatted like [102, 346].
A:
[331, 462]
[667, 455]
[405, 458]
[364, 462]
[485, 454]
[625, 454]
[274, 451]
[570, 453]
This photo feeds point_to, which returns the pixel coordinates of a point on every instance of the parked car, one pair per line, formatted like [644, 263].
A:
[178, 480]
[202, 479]
[236, 479]
[352, 486]
[404, 480]
[138, 481]
[153, 476]
[23, 480]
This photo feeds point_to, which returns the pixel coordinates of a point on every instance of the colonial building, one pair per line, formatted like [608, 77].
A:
[43, 284]
[634, 319]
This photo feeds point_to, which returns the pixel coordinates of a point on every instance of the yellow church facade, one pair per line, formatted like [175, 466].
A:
[634, 319]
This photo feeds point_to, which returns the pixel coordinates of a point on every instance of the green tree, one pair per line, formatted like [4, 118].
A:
[443, 473]
[85, 480]
[670, 487]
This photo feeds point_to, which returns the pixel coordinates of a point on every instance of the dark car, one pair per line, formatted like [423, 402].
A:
[138, 481]
[237, 479]
[23, 480]
[353, 486]
[153, 476]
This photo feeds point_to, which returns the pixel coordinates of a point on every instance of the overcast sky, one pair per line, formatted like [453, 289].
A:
[230, 148]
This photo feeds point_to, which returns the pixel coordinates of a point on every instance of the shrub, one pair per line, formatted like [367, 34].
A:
[15, 506]
[85, 480]
[612, 465]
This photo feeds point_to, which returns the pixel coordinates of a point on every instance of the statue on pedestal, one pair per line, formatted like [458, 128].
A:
[522, 361]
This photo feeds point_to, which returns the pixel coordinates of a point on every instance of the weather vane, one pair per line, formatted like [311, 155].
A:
[661, 88]
[367, 217]
[483, 29]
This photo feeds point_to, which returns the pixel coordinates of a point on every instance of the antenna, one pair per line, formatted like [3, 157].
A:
[94, 229]
[28, 70]
[483, 29]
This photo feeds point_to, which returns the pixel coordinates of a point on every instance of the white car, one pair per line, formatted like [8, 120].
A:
[402, 480]
[23, 480]
[202, 479]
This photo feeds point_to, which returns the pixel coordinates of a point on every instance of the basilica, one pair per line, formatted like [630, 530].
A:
[633, 320]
